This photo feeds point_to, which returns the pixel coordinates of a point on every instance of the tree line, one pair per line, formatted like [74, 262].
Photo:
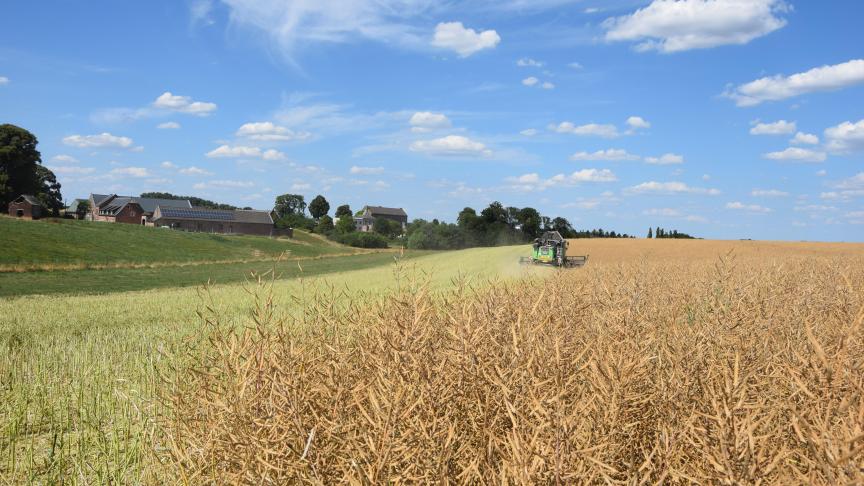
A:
[662, 233]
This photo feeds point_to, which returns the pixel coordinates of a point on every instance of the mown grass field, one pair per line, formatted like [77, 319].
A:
[641, 340]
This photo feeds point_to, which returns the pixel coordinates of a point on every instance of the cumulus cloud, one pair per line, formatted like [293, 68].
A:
[854, 182]
[533, 181]
[779, 87]
[845, 137]
[768, 193]
[242, 151]
[64, 159]
[665, 159]
[168, 165]
[131, 171]
[752, 208]
[802, 138]
[427, 121]
[73, 170]
[270, 132]
[224, 184]
[456, 37]
[530, 81]
[451, 145]
[528, 62]
[4, 80]
[604, 155]
[195, 171]
[547, 85]
[663, 212]
[588, 130]
[780, 127]
[104, 139]
[366, 170]
[671, 26]
[797, 154]
[168, 126]
[183, 104]
[529, 132]
[636, 122]
[654, 187]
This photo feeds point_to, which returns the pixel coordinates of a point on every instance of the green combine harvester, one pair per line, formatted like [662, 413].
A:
[551, 249]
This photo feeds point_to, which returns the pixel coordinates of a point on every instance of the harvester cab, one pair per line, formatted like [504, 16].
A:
[551, 249]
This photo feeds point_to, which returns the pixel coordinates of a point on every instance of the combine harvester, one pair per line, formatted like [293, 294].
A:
[551, 249]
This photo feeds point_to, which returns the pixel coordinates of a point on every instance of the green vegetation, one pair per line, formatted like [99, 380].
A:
[69, 242]
[22, 172]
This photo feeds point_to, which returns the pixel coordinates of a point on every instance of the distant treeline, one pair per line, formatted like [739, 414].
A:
[196, 201]
[662, 233]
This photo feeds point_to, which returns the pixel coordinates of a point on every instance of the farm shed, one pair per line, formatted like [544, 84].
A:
[26, 206]
[370, 213]
[204, 220]
[74, 209]
[128, 209]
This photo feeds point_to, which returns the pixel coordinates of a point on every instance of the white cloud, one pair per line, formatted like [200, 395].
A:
[183, 104]
[802, 138]
[301, 186]
[96, 141]
[665, 159]
[451, 145]
[672, 26]
[663, 212]
[821, 173]
[529, 132]
[224, 184]
[168, 126]
[242, 151]
[168, 165]
[779, 87]
[270, 132]
[131, 171]
[654, 187]
[4, 80]
[547, 85]
[593, 175]
[605, 155]
[195, 171]
[533, 182]
[64, 159]
[781, 127]
[530, 81]
[636, 122]
[366, 170]
[845, 137]
[753, 208]
[590, 129]
[768, 193]
[74, 170]
[854, 182]
[574, 65]
[844, 195]
[797, 154]
[456, 37]
[426, 121]
[528, 62]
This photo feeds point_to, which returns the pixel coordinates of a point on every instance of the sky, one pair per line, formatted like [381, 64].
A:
[720, 118]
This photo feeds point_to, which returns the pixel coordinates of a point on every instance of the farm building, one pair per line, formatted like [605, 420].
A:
[127, 209]
[26, 206]
[240, 221]
[74, 209]
[369, 214]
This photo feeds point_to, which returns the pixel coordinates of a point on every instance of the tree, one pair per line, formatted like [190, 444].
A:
[82, 209]
[387, 227]
[650, 235]
[319, 207]
[343, 210]
[325, 225]
[530, 220]
[345, 224]
[562, 226]
[19, 160]
[48, 192]
[466, 217]
[288, 204]
[495, 213]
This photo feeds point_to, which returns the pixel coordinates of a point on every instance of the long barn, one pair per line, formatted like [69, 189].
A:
[240, 221]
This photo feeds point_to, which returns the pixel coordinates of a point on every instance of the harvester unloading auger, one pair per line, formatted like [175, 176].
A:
[551, 249]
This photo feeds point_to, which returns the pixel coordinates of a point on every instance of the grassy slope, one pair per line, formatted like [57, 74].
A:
[70, 242]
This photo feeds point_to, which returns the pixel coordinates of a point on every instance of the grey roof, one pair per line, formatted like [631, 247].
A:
[98, 198]
[386, 211]
[206, 214]
[73, 206]
[148, 205]
[30, 199]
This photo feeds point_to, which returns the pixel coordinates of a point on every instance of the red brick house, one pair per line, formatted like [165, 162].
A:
[27, 207]
[127, 209]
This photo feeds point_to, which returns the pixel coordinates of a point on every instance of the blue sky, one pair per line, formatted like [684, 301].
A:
[721, 118]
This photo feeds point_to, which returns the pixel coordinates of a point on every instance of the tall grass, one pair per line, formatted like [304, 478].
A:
[723, 372]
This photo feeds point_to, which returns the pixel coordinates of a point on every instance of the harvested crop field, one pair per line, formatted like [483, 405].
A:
[659, 362]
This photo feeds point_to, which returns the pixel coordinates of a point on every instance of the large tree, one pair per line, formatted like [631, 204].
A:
[343, 210]
[20, 165]
[289, 204]
[318, 207]
[48, 192]
[530, 220]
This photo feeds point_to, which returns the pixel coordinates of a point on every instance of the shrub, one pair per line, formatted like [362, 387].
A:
[361, 240]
